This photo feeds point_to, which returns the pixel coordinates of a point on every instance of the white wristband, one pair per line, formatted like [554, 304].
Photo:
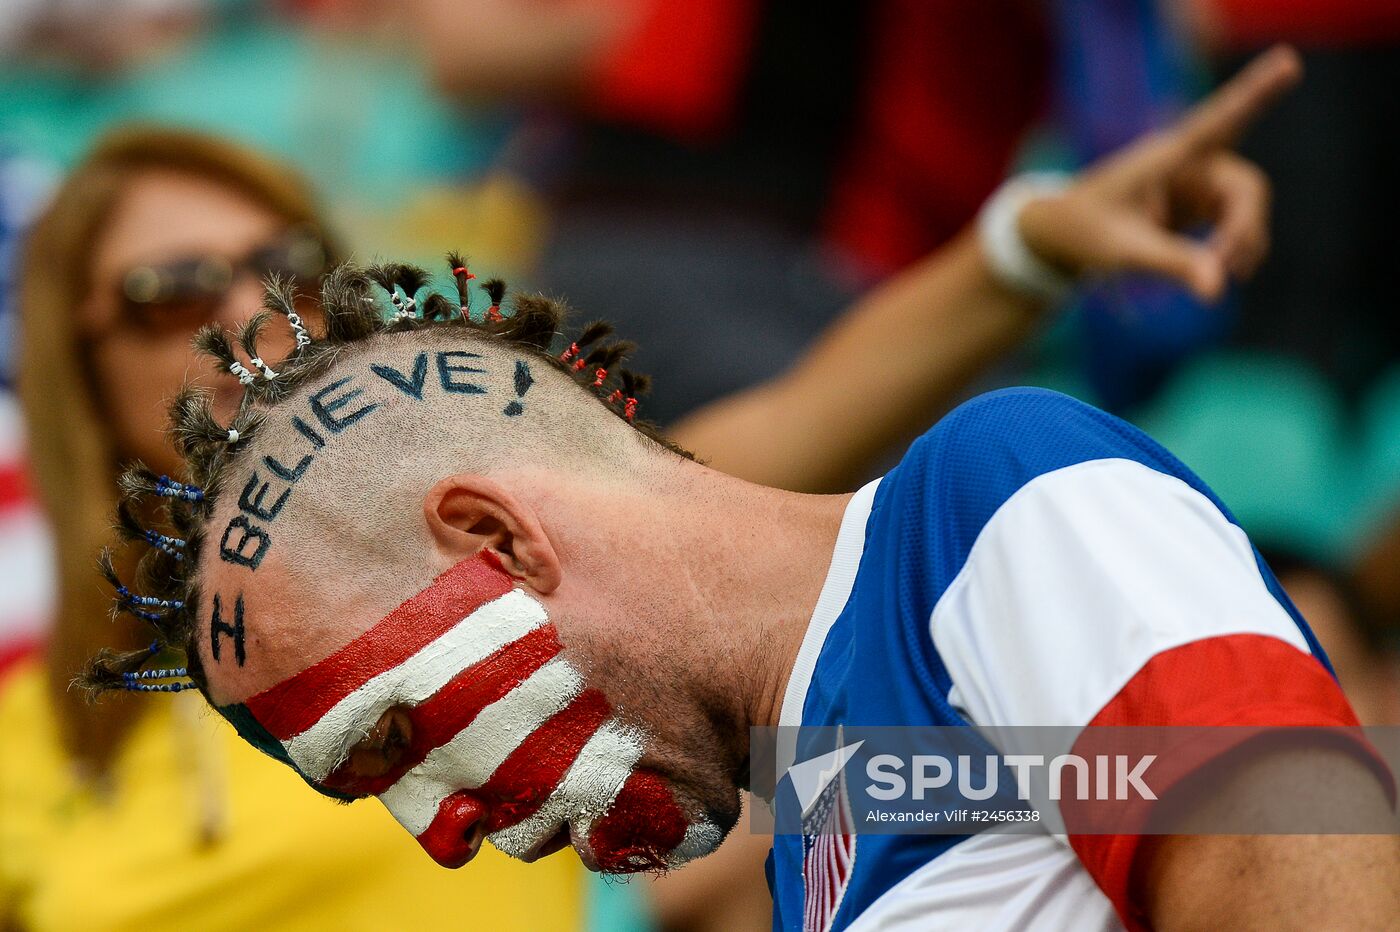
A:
[1012, 262]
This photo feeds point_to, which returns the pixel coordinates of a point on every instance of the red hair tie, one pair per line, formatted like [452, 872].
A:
[599, 378]
[462, 270]
[569, 353]
[493, 313]
[631, 409]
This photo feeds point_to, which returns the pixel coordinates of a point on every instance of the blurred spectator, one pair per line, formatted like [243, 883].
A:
[1308, 23]
[26, 598]
[753, 164]
[1366, 658]
[140, 811]
[1321, 415]
[356, 115]
[691, 187]
[874, 115]
[839, 148]
[1325, 295]
[96, 35]
[730, 146]
[1375, 548]
[1273, 439]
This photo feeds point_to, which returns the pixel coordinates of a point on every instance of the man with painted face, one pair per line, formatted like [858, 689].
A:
[438, 561]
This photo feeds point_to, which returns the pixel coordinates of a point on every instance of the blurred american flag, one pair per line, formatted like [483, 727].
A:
[26, 559]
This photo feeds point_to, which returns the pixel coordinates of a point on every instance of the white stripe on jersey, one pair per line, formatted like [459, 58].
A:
[994, 883]
[1081, 577]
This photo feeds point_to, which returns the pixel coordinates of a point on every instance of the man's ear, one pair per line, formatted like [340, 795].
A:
[469, 513]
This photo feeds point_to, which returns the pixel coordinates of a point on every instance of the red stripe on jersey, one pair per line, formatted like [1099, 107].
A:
[297, 703]
[643, 822]
[1234, 680]
[526, 778]
[442, 716]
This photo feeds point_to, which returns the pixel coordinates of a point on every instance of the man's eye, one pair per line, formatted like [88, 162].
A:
[381, 750]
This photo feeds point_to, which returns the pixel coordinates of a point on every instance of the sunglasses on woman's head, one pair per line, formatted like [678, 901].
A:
[184, 293]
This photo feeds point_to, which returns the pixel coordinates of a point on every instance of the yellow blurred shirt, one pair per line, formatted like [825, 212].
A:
[277, 855]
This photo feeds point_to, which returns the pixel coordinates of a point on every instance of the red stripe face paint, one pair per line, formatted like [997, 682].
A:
[642, 827]
[523, 782]
[439, 718]
[293, 705]
[503, 739]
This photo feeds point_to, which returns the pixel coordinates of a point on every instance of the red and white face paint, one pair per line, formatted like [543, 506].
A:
[506, 739]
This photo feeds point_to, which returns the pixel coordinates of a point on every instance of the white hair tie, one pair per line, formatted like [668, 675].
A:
[303, 338]
[238, 369]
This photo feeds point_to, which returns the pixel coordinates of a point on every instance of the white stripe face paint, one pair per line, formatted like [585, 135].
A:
[588, 788]
[701, 838]
[493, 723]
[468, 760]
[322, 747]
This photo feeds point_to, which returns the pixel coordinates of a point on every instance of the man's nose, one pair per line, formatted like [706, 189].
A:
[457, 831]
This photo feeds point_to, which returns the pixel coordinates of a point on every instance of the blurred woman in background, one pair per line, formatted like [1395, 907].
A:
[159, 233]
[133, 811]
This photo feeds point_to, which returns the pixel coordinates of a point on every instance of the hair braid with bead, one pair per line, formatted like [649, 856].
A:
[353, 311]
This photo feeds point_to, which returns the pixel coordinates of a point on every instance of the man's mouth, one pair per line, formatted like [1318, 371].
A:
[623, 848]
[549, 845]
[566, 836]
[579, 840]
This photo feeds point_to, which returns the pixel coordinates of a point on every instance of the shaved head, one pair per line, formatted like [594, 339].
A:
[317, 487]
[407, 569]
[323, 507]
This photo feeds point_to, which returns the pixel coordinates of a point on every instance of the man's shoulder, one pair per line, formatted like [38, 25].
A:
[991, 445]
[986, 452]
[1033, 421]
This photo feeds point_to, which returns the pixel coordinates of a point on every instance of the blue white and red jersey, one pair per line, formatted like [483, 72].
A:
[1031, 561]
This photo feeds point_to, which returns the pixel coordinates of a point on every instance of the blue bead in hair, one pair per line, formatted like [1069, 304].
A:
[171, 545]
[162, 674]
[172, 489]
[135, 687]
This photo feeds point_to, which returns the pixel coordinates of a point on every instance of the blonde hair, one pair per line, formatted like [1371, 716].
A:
[74, 457]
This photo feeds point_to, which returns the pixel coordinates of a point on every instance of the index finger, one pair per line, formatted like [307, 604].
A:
[1221, 117]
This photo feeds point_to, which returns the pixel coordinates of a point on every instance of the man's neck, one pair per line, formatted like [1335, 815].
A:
[723, 574]
[756, 561]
